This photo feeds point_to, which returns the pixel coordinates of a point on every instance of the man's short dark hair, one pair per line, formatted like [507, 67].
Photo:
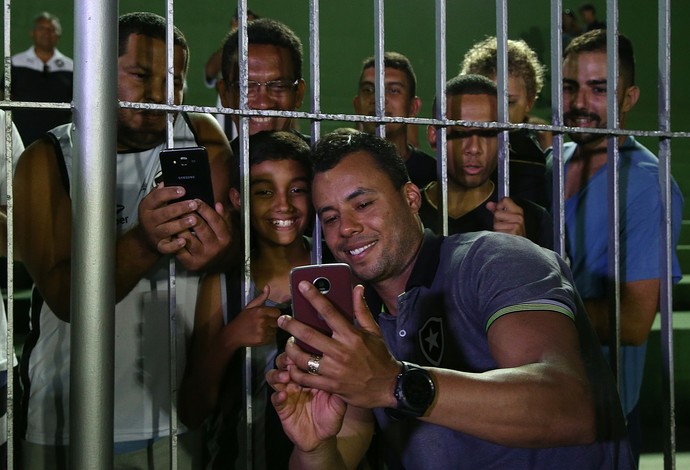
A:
[150, 25]
[468, 84]
[271, 145]
[595, 41]
[333, 147]
[397, 61]
[262, 31]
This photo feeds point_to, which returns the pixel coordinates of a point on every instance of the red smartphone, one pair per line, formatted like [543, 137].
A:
[333, 280]
[188, 167]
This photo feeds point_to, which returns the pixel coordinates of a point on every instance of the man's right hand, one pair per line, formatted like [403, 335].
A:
[162, 222]
[311, 418]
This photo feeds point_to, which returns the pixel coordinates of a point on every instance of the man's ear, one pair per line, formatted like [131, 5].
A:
[431, 136]
[224, 93]
[299, 95]
[413, 196]
[356, 105]
[235, 199]
[632, 94]
[530, 105]
[415, 106]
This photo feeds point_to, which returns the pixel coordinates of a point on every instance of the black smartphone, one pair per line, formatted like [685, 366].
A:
[333, 280]
[188, 167]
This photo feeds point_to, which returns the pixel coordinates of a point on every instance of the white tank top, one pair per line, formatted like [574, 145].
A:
[142, 395]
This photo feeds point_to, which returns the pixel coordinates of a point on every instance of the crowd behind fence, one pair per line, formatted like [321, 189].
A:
[92, 269]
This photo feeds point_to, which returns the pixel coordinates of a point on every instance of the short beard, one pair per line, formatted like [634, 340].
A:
[582, 138]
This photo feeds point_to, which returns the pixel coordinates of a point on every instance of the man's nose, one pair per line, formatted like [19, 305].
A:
[156, 91]
[260, 98]
[472, 144]
[349, 225]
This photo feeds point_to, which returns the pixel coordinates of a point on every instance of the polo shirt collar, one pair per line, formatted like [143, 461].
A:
[423, 272]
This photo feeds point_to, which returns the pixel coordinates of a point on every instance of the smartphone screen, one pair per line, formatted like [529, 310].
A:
[333, 280]
[188, 167]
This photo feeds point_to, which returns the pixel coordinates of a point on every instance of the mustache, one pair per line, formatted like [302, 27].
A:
[578, 113]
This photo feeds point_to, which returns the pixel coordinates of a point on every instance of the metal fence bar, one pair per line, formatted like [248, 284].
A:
[502, 86]
[665, 289]
[613, 117]
[9, 165]
[93, 237]
[441, 104]
[243, 135]
[557, 173]
[379, 50]
[172, 268]
[315, 79]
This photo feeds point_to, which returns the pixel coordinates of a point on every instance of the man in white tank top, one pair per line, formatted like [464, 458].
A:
[151, 228]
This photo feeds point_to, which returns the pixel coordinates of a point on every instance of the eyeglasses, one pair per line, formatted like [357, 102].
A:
[275, 88]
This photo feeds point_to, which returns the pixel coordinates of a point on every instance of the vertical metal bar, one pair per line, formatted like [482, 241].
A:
[243, 135]
[557, 173]
[502, 85]
[666, 286]
[93, 236]
[172, 268]
[441, 103]
[7, 52]
[315, 80]
[612, 117]
[9, 165]
[9, 331]
[379, 48]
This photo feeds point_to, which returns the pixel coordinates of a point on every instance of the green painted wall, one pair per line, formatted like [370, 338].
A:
[348, 36]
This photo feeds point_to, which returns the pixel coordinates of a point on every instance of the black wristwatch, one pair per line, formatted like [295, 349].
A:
[414, 390]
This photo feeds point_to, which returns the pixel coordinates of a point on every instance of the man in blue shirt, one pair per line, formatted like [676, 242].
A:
[586, 209]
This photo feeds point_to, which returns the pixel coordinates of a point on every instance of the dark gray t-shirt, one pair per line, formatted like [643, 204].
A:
[459, 286]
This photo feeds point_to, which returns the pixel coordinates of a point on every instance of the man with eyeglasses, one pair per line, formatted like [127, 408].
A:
[274, 74]
[400, 83]
[472, 158]
[41, 73]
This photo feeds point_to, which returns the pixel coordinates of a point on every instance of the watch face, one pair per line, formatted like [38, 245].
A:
[418, 388]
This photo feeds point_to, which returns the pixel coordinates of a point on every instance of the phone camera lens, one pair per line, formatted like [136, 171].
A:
[323, 284]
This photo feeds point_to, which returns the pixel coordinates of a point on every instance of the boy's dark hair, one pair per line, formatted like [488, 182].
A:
[468, 84]
[146, 24]
[397, 61]
[271, 145]
[262, 31]
[595, 41]
[333, 147]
